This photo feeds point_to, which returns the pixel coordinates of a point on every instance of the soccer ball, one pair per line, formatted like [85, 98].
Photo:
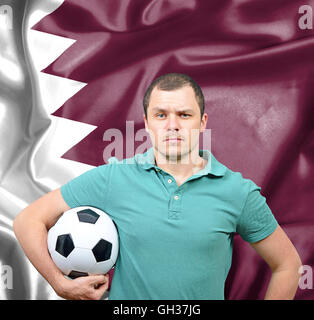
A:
[84, 241]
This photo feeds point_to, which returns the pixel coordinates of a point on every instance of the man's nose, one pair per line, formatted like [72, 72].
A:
[173, 122]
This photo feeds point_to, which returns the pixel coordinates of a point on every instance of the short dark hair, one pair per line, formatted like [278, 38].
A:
[173, 81]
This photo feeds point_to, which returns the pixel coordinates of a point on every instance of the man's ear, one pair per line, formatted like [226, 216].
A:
[204, 122]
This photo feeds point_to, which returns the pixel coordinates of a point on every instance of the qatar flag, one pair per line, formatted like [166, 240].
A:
[72, 78]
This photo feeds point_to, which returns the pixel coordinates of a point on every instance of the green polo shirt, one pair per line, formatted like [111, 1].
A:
[175, 242]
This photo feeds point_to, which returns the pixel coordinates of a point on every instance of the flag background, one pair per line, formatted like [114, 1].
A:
[70, 70]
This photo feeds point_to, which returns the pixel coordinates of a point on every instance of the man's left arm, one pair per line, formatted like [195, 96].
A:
[280, 254]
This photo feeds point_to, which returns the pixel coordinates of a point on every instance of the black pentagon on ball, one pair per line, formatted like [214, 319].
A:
[64, 244]
[88, 216]
[75, 274]
[102, 250]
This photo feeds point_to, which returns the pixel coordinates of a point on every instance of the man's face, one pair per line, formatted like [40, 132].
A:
[174, 122]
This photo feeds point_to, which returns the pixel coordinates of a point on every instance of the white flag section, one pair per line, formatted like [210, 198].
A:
[32, 141]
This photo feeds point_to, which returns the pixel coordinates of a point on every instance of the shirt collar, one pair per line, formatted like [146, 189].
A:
[213, 166]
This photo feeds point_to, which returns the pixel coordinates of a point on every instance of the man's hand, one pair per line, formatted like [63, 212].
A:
[84, 288]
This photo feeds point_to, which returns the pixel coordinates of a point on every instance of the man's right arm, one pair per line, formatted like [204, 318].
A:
[31, 227]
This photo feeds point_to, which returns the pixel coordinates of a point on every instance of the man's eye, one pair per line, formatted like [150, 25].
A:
[160, 114]
[185, 114]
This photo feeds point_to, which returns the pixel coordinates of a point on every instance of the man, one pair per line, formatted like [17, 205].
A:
[176, 209]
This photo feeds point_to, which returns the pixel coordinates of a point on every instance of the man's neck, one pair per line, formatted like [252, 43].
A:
[184, 167]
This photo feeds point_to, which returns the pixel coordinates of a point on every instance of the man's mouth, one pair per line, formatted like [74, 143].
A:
[173, 139]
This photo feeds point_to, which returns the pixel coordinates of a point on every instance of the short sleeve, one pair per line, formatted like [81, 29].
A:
[89, 189]
[256, 221]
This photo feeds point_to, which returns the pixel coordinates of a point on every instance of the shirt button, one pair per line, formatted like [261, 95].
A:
[169, 180]
[176, 197]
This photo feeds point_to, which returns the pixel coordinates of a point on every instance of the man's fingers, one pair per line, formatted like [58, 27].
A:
[99, 279]
[101, 288]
